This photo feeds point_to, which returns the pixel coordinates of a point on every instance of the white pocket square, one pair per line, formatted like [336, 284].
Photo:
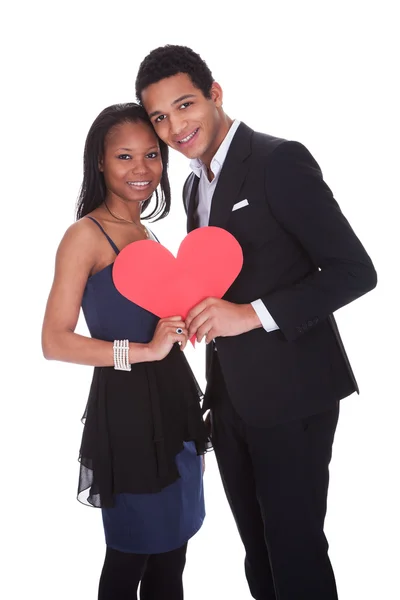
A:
[240, 204]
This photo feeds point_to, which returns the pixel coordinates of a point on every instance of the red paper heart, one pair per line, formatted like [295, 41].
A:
[208, 261]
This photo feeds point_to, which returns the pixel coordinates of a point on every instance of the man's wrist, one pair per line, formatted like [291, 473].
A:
[252, 318]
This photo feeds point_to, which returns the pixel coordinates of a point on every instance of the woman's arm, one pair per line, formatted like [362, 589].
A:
[76, 256]
[75, 259]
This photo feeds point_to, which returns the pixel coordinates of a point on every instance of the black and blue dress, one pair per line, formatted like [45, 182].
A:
[143, 435]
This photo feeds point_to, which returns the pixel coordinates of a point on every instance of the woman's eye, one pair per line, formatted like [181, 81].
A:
[152, 155]
[124, 156]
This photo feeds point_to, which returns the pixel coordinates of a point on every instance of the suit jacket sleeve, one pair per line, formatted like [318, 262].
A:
[305, 207]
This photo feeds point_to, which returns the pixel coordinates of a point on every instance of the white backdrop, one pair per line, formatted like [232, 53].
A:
[319, 72]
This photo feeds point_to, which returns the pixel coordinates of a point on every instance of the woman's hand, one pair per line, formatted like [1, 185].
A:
[165, 336]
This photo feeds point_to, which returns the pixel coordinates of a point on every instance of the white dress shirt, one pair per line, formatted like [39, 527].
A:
[206, 191]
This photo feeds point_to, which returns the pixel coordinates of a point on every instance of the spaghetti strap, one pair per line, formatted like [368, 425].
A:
[154, 235]
[113, 246]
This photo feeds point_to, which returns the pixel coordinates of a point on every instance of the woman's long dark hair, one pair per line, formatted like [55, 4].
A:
[93, 190]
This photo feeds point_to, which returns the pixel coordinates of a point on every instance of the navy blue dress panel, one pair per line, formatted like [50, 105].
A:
[143, 523]
[110, 316]
[155, 523]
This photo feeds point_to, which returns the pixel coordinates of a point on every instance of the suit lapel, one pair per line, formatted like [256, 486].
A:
[232, 176]
[191, 199]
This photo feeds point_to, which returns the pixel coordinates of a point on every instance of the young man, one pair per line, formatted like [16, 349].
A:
[276, 366]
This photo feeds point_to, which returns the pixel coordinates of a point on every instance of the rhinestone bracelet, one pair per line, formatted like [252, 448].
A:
[121, 355]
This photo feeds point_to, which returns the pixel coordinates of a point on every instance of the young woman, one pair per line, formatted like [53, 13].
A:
[144, 433]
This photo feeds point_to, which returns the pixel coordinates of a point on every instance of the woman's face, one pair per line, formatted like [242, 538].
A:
[131, 163]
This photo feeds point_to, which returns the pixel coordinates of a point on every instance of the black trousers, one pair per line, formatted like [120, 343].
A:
[276, 482]
[160, 575]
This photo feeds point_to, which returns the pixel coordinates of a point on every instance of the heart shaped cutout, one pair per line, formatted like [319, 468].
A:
[208, 261]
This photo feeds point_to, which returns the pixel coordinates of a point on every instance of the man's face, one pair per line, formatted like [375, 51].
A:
[184, 118]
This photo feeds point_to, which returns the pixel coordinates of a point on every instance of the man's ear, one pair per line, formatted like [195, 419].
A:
[216, 94]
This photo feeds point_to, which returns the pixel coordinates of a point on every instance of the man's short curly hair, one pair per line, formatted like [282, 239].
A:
[170, 60]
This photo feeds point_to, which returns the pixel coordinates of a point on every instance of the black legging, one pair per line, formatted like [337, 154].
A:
[160, 575]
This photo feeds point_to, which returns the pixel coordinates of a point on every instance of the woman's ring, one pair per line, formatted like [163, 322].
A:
[179, 330]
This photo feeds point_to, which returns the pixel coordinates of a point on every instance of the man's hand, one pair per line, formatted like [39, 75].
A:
[213, 318]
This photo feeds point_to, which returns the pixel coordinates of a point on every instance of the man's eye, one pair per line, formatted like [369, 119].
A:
[124, 156]
[185, 104]
[159, 119]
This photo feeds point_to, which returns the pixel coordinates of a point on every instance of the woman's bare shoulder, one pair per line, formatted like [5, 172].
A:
[82, 233]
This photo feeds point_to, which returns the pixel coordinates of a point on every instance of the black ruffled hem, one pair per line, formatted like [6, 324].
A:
[135, 425]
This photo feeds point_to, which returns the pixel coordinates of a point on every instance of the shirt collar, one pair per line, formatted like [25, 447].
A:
[217, 162]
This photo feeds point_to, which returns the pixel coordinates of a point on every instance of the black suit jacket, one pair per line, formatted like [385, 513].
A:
[303, 260]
